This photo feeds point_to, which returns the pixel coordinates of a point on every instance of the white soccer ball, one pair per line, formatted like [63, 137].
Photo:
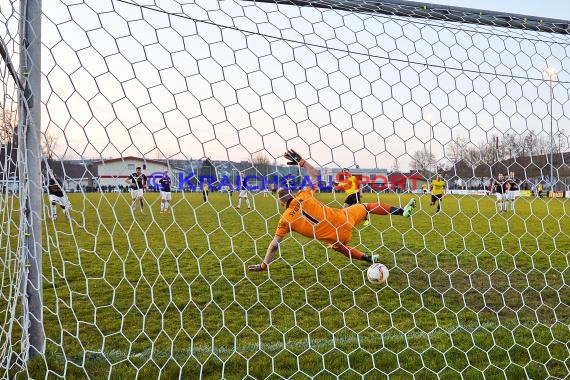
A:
[377, 273]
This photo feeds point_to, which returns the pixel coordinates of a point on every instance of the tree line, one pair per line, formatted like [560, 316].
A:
[490, 151]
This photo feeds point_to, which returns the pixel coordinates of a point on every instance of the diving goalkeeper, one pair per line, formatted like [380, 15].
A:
[310, 217]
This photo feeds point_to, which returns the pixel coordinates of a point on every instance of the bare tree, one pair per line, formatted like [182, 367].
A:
[49, 142]
[261, 163]
[8, 126]
[396, 166]
[488, 151]
[423, 162]
[511, 145]
[456, 149]
[472, 157]
[531, 144]
[561, 141]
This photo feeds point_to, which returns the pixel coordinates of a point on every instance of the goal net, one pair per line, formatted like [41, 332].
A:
[210, 92]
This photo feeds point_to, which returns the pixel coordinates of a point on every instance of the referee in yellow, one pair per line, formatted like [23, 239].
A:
[437, 191]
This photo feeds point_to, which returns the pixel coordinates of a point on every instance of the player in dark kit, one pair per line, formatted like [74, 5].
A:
[501, 188]
[243, 195]
[513, 188]
[138, 182]
[57, 197]
[165, 192]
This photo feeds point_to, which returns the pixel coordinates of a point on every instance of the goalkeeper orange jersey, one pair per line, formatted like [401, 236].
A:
[309, 217]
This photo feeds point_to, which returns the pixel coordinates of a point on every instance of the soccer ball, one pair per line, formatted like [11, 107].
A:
[377, 273]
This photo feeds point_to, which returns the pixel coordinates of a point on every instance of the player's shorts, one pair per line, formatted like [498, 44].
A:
[137, 193]
[355, 215]
[436, 197]
[166, 195]
[243, 194]
[501, 196]
[352, 199]
[511, 195]
[62, 201]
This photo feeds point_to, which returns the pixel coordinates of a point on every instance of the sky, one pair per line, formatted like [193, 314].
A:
[230, 80]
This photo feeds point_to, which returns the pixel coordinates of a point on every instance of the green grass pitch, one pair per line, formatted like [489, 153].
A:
[471, 293]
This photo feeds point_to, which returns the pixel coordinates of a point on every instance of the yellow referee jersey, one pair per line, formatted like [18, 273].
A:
[351, 187]
[437, 187]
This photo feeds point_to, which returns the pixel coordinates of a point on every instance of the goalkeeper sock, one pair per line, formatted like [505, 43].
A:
[383, 209]
[351, 252]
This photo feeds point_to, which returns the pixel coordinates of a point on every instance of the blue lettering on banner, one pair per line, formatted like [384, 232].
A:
[206, 179]
[185, 181]
[225, 181]
[288, 182]
[246, 180]
[265, 182]
[323, 186]
[154, 178]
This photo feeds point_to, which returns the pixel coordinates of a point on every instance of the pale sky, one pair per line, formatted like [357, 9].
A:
[346, 89]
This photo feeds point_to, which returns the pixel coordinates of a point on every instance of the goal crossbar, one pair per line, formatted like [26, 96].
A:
[438, 12]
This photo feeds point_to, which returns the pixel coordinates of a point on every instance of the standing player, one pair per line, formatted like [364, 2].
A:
[138, 182]
[424, 188]
[165, 192]
[242, 194]
[230, 190]
[57, 197]
[437, 191]
[205, 191]
[501, 188]
[513, 185]
[310, 217]
[351, 188]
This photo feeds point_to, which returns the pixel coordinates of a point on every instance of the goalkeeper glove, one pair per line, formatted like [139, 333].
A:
[258, 267]
[294, 158]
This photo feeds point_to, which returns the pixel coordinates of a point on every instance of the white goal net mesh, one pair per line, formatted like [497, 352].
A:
[219, 90]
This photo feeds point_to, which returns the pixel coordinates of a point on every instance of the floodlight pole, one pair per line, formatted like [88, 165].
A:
[551, 134]
[430, 154]
[429, 164]
[29, 157]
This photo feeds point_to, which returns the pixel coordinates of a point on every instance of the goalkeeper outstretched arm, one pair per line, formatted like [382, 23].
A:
[313, 174]
[271, 251]
[295, 158]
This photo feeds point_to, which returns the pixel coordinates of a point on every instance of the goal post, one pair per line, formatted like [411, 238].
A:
[30, 154]
[118, 262]
[21, 236]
